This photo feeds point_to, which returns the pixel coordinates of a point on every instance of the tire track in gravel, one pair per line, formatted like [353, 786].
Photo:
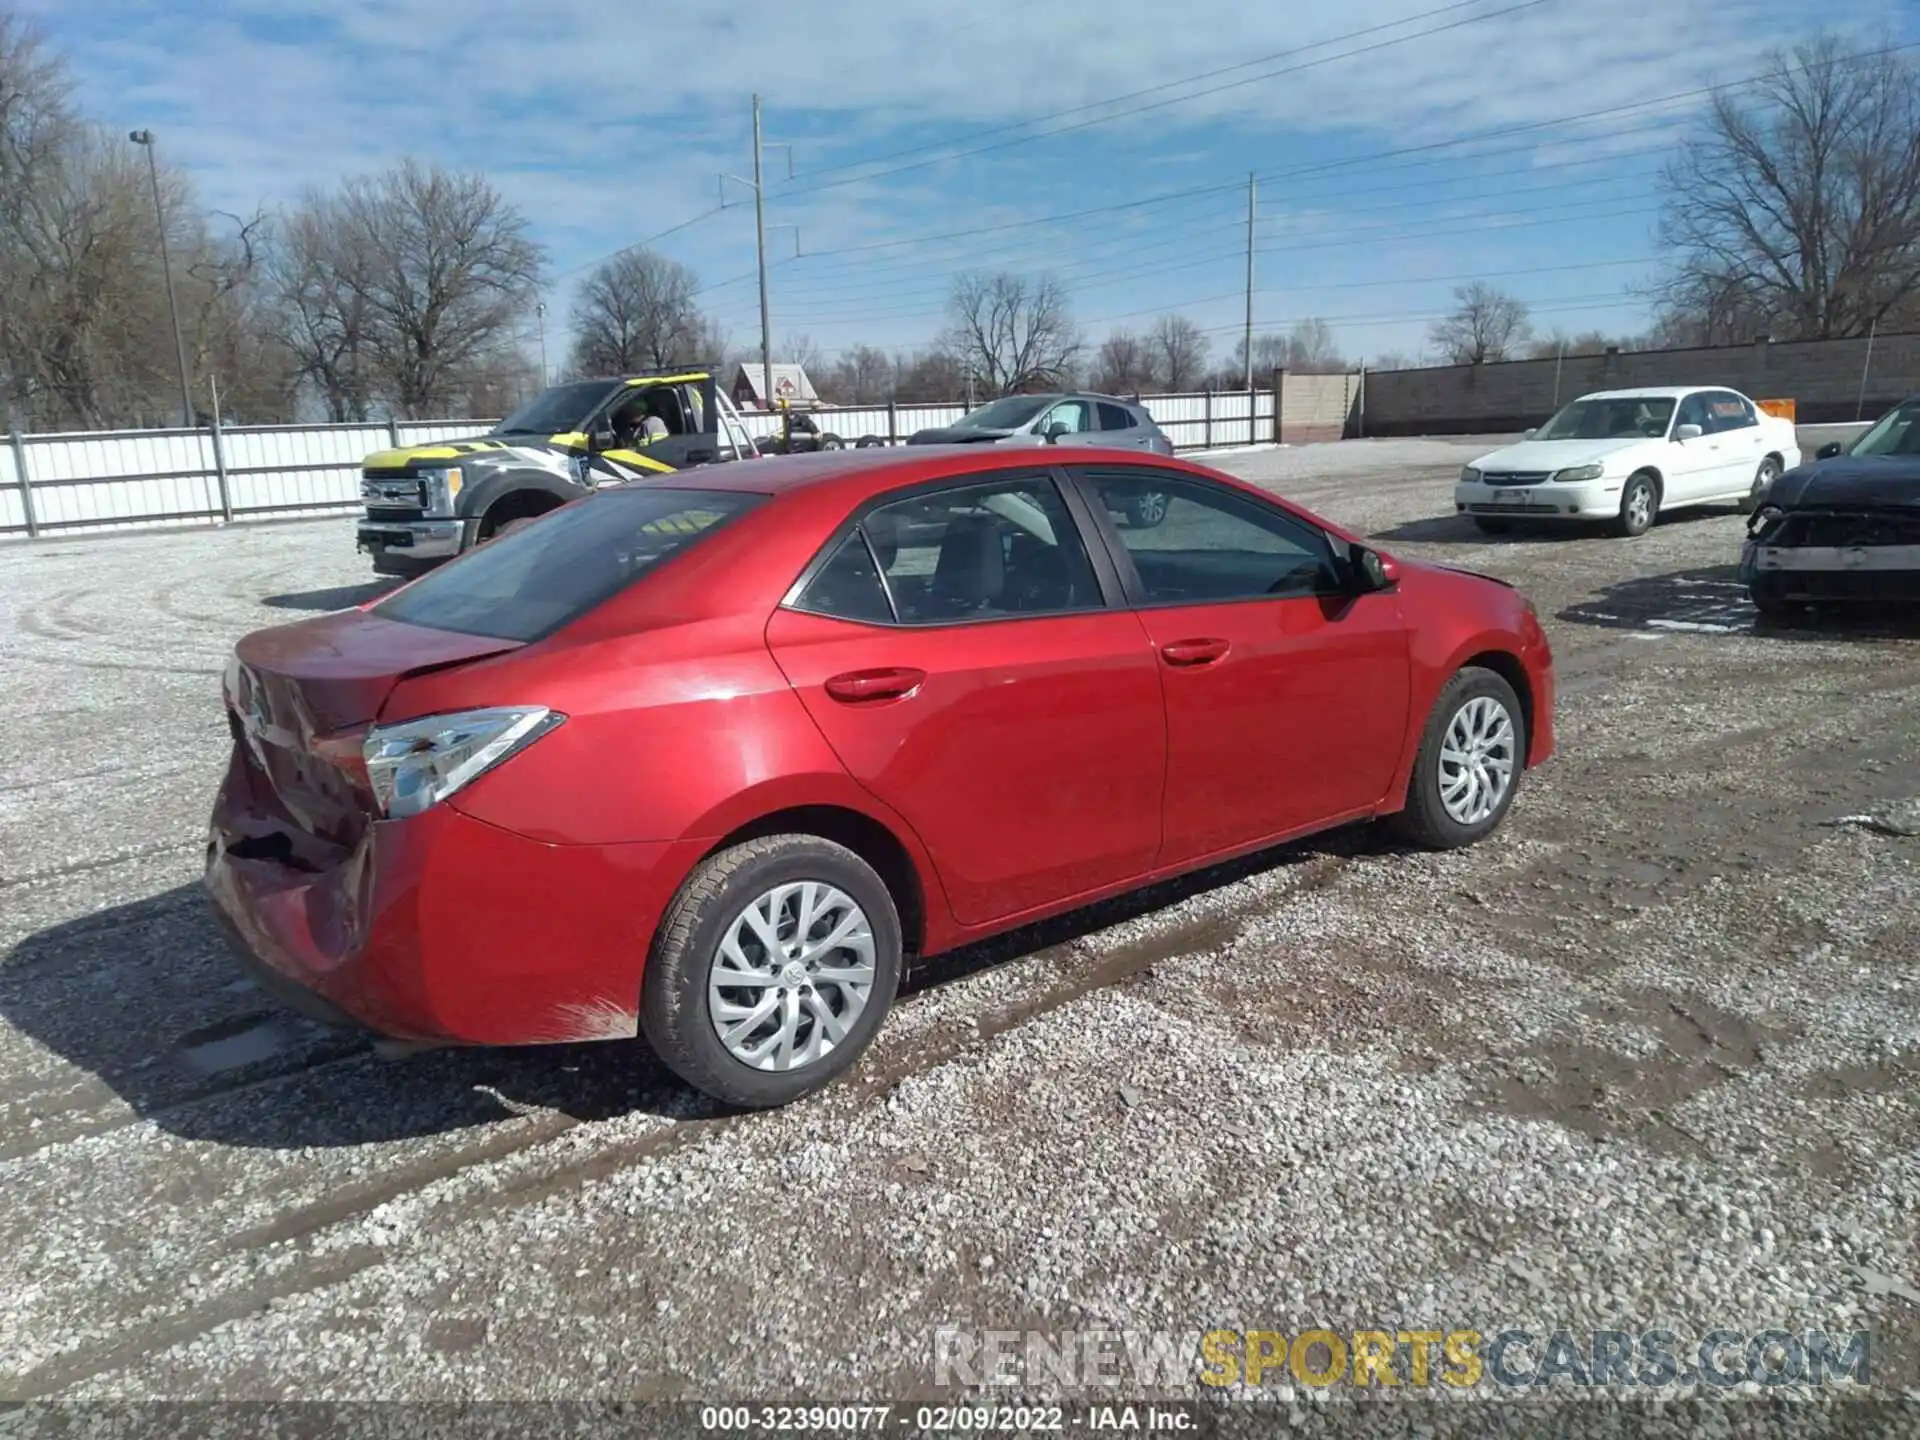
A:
[1082, 972]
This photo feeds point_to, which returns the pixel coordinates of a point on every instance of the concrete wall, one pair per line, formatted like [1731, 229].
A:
[1313, 408]
[1823, 378]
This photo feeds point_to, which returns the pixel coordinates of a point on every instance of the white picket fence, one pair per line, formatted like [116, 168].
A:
[139, 479]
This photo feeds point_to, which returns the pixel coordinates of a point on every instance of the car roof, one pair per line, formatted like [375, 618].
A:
[869, 471]
[1653, 392]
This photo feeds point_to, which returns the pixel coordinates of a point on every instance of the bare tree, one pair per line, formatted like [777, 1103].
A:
[1489, 324]
[449, 274]
[1312, 350]
[933, 377]
[1122, 365]
[636, 311]
[1011, 333]
[1587, 342]
[861, 376]
[1177, 352]
[1797, 212]
[1270, 352]
[1391, 360]
[800, 350]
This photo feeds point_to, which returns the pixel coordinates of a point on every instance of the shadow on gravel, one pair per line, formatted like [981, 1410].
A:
[341, 597]
[146, 998]
[1457, 529]
[1712, 600]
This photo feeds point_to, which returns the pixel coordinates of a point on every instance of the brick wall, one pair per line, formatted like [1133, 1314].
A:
[1821, 376]
[1315, 407]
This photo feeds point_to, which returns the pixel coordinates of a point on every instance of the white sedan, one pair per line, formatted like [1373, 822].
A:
[1623, 456]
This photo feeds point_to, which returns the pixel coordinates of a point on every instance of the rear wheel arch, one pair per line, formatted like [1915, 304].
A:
[870, 839]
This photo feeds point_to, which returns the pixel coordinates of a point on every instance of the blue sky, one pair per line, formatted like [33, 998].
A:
[609, 124]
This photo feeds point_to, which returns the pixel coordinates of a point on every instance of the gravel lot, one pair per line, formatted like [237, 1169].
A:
[1647, 1057]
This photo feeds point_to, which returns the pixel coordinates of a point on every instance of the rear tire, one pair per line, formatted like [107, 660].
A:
[1768, 472]
[687, 969]
[1639, 506]
[1147, 509]
[1438, 815]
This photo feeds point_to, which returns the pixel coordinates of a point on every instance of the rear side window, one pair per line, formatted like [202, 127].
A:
[1113, 417]
[531, 582]
[985, 551]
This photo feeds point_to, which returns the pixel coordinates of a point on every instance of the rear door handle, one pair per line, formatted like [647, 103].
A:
[1193, 652]
[857, 686]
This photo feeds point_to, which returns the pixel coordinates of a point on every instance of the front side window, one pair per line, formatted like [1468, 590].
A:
[1073, 416]
[1213, 545]
[1693, 411]
[1895, 433]
[530, 582]
[986, 551]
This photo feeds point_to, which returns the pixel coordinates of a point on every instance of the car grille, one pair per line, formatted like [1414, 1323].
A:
[1503, 478]
[1512, 508]
[1846, 531]
[393, 513]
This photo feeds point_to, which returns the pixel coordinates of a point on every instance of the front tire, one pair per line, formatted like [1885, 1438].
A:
[1471, 757]
[1639, 507]
[772, 970]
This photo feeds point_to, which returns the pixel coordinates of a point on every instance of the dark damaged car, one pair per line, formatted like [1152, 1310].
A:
[1844, 529]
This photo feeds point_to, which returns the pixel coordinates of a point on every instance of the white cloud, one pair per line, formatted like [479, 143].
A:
[608, 123]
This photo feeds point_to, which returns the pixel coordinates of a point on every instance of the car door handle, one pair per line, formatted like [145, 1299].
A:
[1193, 652]
[857, 686]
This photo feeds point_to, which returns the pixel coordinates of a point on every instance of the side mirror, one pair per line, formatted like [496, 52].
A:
[1053, 431]
[1371, 571]
[600, 437]
[1687, 432]
[1828, 450]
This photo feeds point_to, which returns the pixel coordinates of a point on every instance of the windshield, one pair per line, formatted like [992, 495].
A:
[1895, 433]
[1008, 414]
[531, 582]
[1628, 417]
[559, 411]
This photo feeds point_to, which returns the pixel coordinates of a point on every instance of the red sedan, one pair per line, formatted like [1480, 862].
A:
[707, 758]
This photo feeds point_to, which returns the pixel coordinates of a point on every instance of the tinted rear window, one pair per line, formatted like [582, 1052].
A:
[531, 582]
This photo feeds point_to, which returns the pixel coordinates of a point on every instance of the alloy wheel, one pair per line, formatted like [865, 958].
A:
[791, 976]
[1640, 506]
[1477, 760]
[1150, 507]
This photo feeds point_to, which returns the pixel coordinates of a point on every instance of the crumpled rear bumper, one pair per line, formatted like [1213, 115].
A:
[438, 928]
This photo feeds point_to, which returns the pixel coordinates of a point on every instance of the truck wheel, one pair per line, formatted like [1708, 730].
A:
[868, 442]
[832, 442]
[511, 526]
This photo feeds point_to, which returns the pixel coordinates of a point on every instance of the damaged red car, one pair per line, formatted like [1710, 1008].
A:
[711, 758]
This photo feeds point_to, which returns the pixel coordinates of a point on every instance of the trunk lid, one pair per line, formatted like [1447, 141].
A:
[297, 694]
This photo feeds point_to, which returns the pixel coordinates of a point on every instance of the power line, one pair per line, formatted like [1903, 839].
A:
[1131, 95]
[1177, 100]
[642, 244]
[1374, 284]
[1347, 238]
[864, 286]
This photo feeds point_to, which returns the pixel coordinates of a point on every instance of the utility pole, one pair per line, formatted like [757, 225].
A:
[1253, 198]
[540, 310]
[144, 138]
[758, 184]
[760, 246]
